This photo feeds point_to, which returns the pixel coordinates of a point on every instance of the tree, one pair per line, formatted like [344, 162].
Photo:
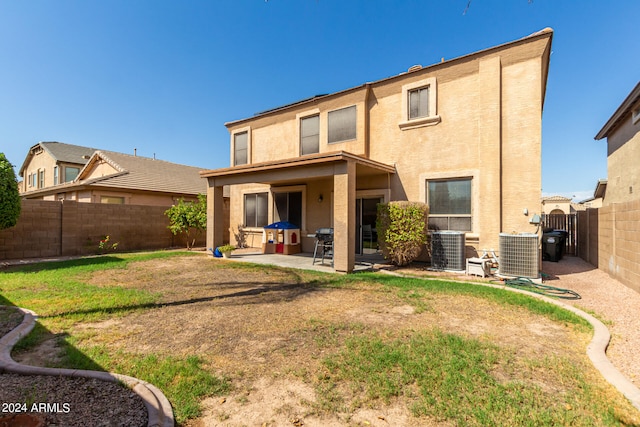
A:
[402, 229]
[10, 203]
[188, 218]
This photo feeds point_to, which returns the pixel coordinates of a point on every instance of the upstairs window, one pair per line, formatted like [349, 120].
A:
[310, 135]
[449, 204]
[241, 148]
[41, 178]
[70, 173]
[635, 115]
[55, 175]
[342, 124]
[419, 103]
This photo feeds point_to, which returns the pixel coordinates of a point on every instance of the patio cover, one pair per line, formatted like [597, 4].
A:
[344, 167]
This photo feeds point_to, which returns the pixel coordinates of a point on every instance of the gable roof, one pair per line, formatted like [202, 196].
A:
[143, 173]
[630, 102]
[60, 152]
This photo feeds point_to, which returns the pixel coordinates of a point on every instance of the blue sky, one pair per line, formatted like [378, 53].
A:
[164, 76]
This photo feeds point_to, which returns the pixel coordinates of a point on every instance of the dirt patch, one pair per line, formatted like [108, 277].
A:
[270, 329]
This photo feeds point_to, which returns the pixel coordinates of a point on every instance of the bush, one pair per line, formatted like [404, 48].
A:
[188, 218]
[402, 230]
[10, 204]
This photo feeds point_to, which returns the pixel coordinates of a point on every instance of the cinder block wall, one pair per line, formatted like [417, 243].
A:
[49, 229]
[611, 241]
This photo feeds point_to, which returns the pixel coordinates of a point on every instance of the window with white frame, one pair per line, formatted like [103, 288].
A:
[450, 204]
[40, 178]
[310, 135]
[256, 209]
[55, 175]
[419, 106]
[241, 148]
[342, 124]
[287, 206]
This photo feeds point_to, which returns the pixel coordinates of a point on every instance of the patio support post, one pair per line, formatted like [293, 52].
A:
[215, 216]
[344, 217]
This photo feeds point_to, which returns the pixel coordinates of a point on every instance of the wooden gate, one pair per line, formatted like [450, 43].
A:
[568, 223]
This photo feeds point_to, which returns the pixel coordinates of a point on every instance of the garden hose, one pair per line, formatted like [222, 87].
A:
[527, 284]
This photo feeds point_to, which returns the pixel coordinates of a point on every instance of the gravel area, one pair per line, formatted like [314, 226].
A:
[616, 305]
[66, 401]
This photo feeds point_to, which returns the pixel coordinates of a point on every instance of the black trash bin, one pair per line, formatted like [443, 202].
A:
[553, 243]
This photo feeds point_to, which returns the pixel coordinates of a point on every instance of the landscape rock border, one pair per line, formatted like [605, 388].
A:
[159, 410]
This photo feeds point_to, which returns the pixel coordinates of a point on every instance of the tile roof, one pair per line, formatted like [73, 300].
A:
[144, 173]
[68, 153]
[556, 199]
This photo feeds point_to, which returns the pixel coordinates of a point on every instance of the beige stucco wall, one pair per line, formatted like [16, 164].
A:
[39, 161]
[550, 205]
[277, 136]
[44, 161]
[486, 125]
[622, 163]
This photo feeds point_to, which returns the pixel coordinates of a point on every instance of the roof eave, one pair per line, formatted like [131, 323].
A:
[546, 32]
[622, 110]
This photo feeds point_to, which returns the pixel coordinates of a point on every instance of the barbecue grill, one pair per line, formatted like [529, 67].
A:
[324, 244]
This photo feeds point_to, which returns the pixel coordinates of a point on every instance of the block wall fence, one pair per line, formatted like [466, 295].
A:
[610, 240]
[68, 228]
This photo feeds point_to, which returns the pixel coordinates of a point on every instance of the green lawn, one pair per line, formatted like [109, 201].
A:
[440, 375]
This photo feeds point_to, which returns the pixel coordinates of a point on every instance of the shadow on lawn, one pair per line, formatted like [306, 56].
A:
[38, 265]
[39, 335]
[268, 293]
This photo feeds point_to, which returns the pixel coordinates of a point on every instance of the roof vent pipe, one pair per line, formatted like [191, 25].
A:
[135, 152]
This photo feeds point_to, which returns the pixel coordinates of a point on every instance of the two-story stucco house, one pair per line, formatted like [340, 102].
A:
[52, 163]
[463, 135]
[622, 132]
[58, 171]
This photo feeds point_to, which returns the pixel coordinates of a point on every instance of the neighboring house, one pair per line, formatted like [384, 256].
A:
[463, 135]
[52, 163]
[622, 131]
[110, 177]
[556, 205]
[597, 200]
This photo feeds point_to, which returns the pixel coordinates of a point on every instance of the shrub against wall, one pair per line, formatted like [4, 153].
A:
[402, 230]
[9, 195]
[188, 218]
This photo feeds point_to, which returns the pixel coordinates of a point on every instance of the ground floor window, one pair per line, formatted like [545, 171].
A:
[449, 204]
[287, 206]
[112, 200]
[256, 209]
